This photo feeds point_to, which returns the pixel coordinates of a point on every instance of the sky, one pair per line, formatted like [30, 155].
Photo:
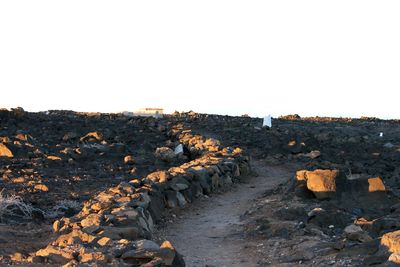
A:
[312, 58]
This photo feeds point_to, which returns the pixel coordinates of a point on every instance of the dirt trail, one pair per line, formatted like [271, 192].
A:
[210, 232]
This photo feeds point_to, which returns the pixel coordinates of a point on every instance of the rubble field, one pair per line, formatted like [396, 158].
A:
[91, 189]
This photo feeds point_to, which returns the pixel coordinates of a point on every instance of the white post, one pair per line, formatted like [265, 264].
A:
[178, 149]
[267, 121]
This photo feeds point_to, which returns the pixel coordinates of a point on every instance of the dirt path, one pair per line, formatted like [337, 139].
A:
[210, 232]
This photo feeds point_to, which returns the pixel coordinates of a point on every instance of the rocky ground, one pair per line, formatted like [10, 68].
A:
[107, 189]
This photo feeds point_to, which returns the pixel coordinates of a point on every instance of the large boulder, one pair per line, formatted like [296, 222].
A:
[391, 241]
[321, 182]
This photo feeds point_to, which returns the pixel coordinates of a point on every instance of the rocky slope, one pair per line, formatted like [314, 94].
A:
[90, 187]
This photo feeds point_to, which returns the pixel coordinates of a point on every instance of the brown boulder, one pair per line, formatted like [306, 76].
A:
[322, 182]
[93, 219]
[391, 240]
[93, 257]
[55, 254]
[159, 176]
[376, 185]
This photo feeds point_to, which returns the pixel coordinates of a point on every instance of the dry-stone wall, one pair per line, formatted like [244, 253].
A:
[115, 227]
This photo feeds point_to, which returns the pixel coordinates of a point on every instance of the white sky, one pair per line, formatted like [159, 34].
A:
[337, 58]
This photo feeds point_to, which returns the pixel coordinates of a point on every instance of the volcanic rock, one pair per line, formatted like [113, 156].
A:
[391, 241]
[321, 182]
[356, 233]
[165, 154]
[129, 159]
[5, 151]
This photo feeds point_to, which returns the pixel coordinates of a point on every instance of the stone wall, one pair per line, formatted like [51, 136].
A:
[115, 226]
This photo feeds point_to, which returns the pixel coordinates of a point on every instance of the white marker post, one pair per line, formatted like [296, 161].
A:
[267, 121]
[380, 134]
[179, 149]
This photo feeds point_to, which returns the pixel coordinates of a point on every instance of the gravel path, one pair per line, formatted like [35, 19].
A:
[209, 233]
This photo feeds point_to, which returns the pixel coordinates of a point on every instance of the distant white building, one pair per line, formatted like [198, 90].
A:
[146, 112]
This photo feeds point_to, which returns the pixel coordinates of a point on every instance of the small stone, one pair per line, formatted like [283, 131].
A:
[37, 259]
[55, 254]
[123, 199]
[91, 220]
[165, 154]
[70, 135]
[144, 249]
[160, 176]
[339, 245]
[315, 211]
[179, 149]
[117, 233]
[179, 186]
[41, 187]
[171, 198]
[56, 226]
[313, 154]
[72, 263]
[167, 253]
[356, 233]
[98, 206]
[125, 212]
[91, 229]
[104, 241]
[18, 257]
[5, 151]
[92, 256]
[22, 137]
[53, 158]
[388, 145]
[92, 136]
[181, 199]
[376, 185]
[19, 180]
[135, 182]
[129, 160]
[105, 197]
[395, 258]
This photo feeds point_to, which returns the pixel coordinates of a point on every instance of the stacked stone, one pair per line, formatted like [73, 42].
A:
[116, 225]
